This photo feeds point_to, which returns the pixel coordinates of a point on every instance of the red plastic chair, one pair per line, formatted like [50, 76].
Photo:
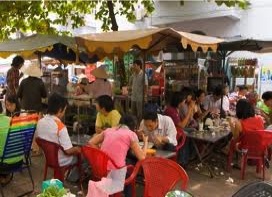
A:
[252, 146]
[50, 150]
[181, 137]
[98, 161]
[161, 175]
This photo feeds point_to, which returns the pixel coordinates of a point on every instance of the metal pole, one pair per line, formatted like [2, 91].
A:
[222, 114]
[144, 59]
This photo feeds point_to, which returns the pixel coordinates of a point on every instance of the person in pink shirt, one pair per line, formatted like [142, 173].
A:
[117, 141]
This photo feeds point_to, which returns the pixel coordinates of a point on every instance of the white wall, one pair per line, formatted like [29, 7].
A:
[217, 21]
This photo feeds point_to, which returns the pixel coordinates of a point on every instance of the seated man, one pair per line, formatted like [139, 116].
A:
[106, 117]
[160, 130]
[52, 129]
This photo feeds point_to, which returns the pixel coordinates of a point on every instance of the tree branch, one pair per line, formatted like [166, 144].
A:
[114, 26]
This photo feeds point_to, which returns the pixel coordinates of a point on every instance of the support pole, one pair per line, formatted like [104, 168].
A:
[222, 113]
[144, 59]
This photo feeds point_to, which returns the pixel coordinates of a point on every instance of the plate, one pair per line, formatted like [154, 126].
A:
[150, 144]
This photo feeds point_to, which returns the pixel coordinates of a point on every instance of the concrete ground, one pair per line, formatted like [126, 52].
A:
[200, 185]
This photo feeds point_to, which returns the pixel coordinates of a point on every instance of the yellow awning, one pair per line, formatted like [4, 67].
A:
[151, 40]
[28, 45]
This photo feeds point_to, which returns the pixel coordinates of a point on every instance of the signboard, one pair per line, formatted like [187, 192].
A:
[266, 78]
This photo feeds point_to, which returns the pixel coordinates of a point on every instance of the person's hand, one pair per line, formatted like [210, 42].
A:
[145, 138]
[140, 134]
[158, 141]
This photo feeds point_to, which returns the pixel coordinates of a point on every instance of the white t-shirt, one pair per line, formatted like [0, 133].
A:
[51, 128]
[166, 128]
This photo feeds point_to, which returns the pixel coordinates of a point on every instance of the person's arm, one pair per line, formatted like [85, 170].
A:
[96, 140]
[98, 124]
[235, 127]
[73, 151]
[184, 121]
[139, 153]
[66, 143]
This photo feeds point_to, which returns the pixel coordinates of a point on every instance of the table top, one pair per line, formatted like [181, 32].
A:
[80, 139]
[164, 154]
[208, 136]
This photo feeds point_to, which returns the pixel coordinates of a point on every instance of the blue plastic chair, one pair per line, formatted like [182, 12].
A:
[18, 146]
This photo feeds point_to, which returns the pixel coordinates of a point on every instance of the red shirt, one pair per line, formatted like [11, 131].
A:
[173, 113]
[252, 124]
[13, 77]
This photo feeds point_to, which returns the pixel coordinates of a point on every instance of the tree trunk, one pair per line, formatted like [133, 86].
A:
[114, 26]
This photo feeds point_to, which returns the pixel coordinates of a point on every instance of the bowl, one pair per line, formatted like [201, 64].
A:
[150, 144]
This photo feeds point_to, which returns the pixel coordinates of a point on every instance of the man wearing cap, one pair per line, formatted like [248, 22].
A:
[137, 89]
[32, 89]
[101, 86]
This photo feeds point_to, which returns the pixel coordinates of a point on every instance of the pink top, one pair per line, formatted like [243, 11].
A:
[100, 87]
[116, 144]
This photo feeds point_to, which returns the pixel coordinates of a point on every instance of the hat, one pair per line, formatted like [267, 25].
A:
[100, 73]
[33, 71]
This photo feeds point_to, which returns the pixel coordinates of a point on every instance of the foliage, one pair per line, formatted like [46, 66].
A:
[53, 191]
[42, 16]
[243, 4]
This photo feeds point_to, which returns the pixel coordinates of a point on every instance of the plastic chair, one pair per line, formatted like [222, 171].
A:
[98, 161]
[256, 189]
[50, 150]
[181, 137]
[161, 175]
[252, 146]
[18, 147]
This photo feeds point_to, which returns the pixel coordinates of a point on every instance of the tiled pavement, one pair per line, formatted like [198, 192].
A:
[199, 185]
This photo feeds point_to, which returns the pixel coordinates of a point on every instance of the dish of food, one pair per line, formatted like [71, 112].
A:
[150, 152]
[150, 144]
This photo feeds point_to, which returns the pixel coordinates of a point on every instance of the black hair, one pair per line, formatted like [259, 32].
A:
[13, 99]
[199, 92]
[186, 91]
[267, 95]
[150, 115]
[242, 87]
[218, 90]
[176, 99]
[56, 102]
[129, 120]
[105, 101]
[138, 62]
[244, 109]
[17, 61]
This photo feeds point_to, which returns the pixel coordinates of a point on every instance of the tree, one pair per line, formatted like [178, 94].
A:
[243, 4]
[43, 16]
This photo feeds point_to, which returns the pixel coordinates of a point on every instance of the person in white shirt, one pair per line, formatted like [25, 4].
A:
[160, 130]
[212, 102]
[52, 129]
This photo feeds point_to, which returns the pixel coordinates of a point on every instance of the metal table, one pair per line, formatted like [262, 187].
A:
[209, 139]
[164, 154]
[80, 139]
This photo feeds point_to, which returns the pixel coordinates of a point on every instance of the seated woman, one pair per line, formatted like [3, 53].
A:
[200, 113]
[118, 140]
[12, 105]
[246, 119]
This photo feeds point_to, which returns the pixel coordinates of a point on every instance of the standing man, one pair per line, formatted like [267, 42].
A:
[32, 89]
[138, 89]
[13, 75]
